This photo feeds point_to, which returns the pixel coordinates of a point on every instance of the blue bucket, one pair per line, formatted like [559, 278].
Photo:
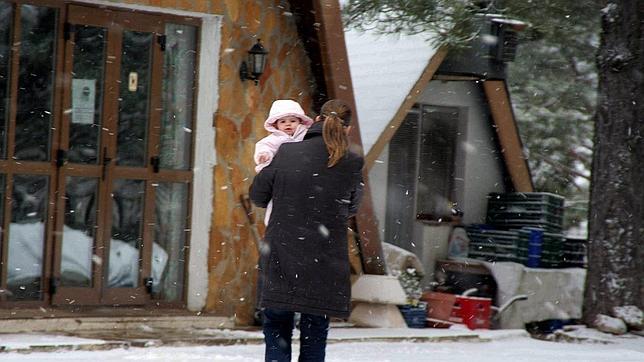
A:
[415, 317]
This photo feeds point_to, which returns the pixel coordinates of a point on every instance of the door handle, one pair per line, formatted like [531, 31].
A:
[149, 284]
[106, 163]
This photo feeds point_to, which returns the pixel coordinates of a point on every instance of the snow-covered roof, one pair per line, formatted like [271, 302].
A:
[384, 68]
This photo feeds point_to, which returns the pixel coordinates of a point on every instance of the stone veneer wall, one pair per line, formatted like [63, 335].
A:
[243, 107]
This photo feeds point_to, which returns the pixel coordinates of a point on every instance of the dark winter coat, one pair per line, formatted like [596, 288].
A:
[305, 267]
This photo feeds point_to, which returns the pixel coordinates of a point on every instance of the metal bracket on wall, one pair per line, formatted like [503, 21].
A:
[61, 158]
[155, 162]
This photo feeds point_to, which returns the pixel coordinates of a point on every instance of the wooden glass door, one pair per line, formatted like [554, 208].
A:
[96, 147]
[107, 157]
[28, 103]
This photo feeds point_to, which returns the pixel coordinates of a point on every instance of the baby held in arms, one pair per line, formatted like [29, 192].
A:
[286, 123]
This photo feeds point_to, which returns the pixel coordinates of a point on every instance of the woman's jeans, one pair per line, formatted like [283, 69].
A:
[278, 330]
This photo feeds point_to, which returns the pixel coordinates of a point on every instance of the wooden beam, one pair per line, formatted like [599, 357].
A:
[508, 134]
[415, 92]
[448, 77]
[337, 76]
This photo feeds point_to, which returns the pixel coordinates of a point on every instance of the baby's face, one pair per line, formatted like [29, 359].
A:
[287, 124]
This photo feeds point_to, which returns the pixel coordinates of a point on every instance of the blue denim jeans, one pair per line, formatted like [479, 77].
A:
[278, 331]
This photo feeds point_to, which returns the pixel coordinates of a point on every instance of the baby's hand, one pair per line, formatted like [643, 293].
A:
[264, 157]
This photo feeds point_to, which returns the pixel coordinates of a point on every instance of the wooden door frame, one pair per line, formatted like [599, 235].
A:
[115, 23]
[54, 221]
[78, 295]
[154, 25]
[164, 175]
[10, 166]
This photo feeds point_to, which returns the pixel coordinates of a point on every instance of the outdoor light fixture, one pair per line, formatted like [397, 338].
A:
[256, 62]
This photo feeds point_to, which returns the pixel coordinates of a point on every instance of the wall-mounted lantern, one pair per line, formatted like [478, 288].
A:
[256, 63]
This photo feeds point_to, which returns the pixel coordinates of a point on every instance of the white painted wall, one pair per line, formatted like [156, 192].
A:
[483, 162]
[378, 185]
[205, 160]
[481, 166]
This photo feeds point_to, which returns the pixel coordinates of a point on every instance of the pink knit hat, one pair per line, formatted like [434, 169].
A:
[284, 108]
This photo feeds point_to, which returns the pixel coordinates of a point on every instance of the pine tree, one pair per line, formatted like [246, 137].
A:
[616, 250]
[552, 81]
[555, 101]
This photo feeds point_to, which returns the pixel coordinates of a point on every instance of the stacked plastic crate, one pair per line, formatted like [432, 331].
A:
[537, 220]
[575, 253]
[539, 249]
[491, 244]
[526, 209]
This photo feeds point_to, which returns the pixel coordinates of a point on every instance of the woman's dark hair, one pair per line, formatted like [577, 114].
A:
[336, 115]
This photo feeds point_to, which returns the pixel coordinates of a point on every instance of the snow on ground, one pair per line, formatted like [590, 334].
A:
[21, 341]
[511, 347]
[524, 349]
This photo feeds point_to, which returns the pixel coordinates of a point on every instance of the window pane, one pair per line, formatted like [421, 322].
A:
[3, 180]
[87, 88]
[169, 251]
[79, 233]
[27, 236]
[35, 82]
[178, 89]
[134, 100]
[6, 13]
[3, 236]
[127, 233]
[437, 155]
[401, 180]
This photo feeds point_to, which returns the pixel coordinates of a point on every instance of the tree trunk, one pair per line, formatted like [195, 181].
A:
[615, 246]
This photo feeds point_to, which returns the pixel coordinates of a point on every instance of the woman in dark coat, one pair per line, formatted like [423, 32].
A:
[315, 186]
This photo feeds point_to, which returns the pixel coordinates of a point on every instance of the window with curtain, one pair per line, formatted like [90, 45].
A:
[401, 183]
[421, 171]
[438, 137]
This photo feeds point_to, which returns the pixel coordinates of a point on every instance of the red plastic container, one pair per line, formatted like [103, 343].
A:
[439, 305]
[474, 312]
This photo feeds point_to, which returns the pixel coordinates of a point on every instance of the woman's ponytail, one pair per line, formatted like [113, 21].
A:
[336, 116]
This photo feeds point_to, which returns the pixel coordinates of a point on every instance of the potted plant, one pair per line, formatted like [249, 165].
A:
[415, 311]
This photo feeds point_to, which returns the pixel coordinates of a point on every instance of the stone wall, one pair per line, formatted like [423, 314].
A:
[243, 107]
